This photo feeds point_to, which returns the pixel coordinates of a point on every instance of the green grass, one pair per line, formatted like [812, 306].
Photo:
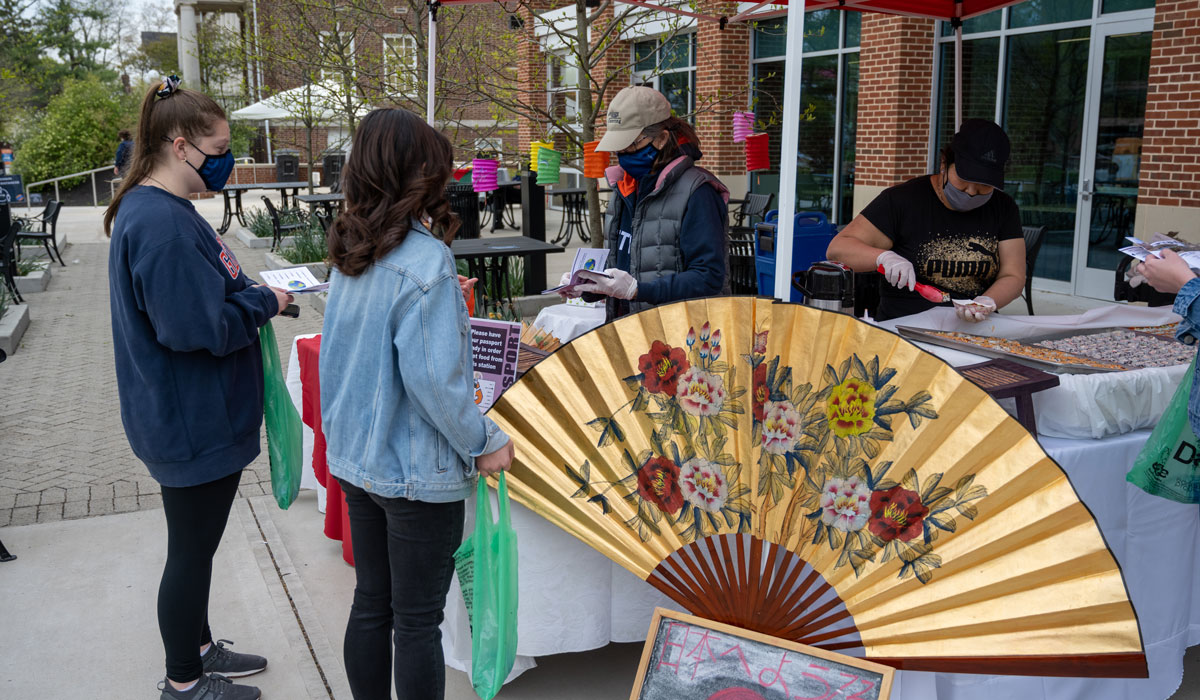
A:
[29, 266]
[259, 221]
[308, 245]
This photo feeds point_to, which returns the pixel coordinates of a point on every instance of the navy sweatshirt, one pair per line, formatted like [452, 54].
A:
[185, 322]
[701, 237]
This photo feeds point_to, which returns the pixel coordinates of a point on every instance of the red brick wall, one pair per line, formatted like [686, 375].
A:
[1170, 168]
[896, 69]
[531, 77]
[722, 84]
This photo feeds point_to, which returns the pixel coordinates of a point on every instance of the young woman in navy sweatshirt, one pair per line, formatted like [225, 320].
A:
[185, 320]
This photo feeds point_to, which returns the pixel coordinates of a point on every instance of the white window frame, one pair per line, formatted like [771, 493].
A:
[566, 61]
[402, 81]
[653, 76]
[333, 75]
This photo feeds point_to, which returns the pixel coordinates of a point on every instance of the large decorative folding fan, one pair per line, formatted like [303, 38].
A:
[806, 475]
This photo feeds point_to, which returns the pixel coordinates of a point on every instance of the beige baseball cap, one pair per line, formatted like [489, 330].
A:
[632, 110]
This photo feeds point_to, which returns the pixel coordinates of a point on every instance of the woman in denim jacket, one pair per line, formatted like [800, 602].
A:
[405, 438]
[1170, 274]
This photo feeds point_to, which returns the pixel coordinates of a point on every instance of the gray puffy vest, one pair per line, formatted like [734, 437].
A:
[654, 247]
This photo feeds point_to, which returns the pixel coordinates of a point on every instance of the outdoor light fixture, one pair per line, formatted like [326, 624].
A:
[515, 22]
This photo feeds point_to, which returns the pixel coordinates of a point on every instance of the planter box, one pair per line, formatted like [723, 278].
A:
[12, 327]
[274, 261]
[34, 282]
[252, 241]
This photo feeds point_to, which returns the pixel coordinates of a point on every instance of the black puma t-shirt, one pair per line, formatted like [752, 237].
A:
[958, 252]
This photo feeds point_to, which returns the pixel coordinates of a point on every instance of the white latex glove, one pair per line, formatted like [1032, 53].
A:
[622, 285]
[898, 271]
[569, 294]
[1133, 277]
[979, 309]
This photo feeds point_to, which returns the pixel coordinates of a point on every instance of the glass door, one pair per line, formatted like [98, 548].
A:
[1108, 186]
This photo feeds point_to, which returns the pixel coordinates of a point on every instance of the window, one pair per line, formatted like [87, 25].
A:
[669, 66]
[337, 53]
[829, 86]
[563, 87]
[400, 63]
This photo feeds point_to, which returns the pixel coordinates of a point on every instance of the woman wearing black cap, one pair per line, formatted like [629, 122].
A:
[956, 230]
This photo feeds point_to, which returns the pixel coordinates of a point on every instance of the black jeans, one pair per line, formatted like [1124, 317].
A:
[403, 561]
[196, 517]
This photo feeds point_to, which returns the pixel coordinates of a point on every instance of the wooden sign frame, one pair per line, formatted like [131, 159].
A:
[886, 672]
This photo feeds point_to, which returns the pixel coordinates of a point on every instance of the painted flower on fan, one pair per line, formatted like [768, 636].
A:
[658, 482]
[704, 350]
[704, 333]
[851, 407]
[691, 337]
[701, 393]
[897, 513]
[716, 337]
[715, 353]
[845, 504]
[761, 392]
[760, 343]
[662, 367]
[781, 427]
[703, 484]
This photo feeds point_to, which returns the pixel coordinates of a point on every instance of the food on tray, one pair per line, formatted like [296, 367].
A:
[1167, 331]
[1019, 349]
[1126, 347]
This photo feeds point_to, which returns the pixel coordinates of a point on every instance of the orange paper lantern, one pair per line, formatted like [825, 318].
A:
[594, 162]
[758, 156]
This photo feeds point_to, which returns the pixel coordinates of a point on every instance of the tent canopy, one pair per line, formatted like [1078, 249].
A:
[290, 104]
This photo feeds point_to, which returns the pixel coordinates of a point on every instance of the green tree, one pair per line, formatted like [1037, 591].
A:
[72, 30]
[157, 57]
[76, 132]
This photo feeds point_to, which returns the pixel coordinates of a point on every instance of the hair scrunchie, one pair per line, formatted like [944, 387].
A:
[168, 87]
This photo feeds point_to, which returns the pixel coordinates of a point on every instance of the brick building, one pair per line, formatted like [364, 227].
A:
[1101, 99]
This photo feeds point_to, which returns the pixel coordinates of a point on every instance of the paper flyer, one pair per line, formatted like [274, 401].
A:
[294, 280]
[494, 349]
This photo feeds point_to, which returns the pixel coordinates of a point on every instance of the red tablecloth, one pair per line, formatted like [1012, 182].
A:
[337, 519]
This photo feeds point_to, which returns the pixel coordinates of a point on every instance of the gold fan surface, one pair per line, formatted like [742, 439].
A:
[943, 527]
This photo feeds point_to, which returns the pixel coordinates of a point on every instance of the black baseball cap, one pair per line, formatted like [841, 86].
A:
[981, 150]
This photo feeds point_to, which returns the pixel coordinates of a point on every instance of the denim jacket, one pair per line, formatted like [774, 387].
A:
[1189, 330]
[397, 388]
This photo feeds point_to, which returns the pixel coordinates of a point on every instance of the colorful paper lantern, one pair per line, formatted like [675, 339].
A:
[534, 147]
[594, 162]
[484, 174]
[758, 155]
[549, 162]
[743, 126]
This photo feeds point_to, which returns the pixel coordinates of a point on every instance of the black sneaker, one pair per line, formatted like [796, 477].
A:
[219, 659]
[210, 687]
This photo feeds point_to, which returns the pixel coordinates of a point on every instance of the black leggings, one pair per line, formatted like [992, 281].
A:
[196, 517]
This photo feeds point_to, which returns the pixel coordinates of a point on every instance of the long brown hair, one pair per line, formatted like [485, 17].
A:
[180, 112]
[678, 132]
[397, 171]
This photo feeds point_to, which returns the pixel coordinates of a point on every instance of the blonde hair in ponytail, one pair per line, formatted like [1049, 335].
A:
[185, 113]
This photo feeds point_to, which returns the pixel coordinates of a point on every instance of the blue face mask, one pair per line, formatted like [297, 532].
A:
[638, 163]
[215, 170]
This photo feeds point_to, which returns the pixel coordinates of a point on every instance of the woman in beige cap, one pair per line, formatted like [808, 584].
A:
[667, 221]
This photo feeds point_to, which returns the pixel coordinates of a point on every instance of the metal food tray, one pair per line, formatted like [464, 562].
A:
[925, 336]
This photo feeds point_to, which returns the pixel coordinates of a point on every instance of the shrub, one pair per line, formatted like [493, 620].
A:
[258, 221]
[28, 266]
[76, 132]
[308, 245]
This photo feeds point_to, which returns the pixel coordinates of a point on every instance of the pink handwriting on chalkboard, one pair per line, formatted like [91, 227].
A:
[698, 652]
[665, 658]
[861, 695]
[828, 689]
[777, 675]
[741, 657]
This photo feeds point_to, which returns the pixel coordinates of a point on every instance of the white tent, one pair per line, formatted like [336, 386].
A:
[313, 99]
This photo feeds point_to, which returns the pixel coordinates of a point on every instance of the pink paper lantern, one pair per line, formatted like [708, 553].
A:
[484, 174]
[743, 126]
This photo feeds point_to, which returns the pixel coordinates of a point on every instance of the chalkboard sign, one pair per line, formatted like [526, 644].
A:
[691, 658]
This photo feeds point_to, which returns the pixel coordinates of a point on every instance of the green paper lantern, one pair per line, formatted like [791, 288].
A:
[549, 161]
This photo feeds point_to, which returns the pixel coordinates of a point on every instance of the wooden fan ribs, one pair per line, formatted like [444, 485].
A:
[869, 501]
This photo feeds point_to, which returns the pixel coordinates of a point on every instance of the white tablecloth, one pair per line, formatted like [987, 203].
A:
[574, 599]
[1083, 405]
[567, 322]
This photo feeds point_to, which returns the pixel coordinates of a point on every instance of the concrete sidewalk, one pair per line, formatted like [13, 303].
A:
[78, 611]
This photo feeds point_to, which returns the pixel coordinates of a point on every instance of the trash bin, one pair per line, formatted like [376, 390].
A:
[287, 166]
[332, 166]
[811, 234]
[465, 202]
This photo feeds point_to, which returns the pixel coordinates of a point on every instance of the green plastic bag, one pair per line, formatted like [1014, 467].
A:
[284, 436]
[1169, 464]
[487, 572]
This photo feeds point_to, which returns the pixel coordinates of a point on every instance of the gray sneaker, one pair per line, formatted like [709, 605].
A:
[210, 687]
[219, 659]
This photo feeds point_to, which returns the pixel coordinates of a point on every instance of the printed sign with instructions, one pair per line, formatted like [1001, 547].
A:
[697, 659]
[494, 349]
[294, 280]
